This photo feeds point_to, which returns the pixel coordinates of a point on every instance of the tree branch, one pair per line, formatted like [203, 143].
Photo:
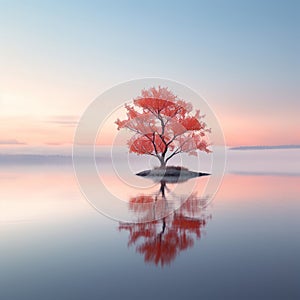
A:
[163, 125]
[173, 154]
[153, 143]
[179, 149]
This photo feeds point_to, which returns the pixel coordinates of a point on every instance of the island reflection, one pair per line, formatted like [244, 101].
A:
[161, 241]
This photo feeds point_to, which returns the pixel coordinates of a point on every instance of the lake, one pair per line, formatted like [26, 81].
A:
[244, 245]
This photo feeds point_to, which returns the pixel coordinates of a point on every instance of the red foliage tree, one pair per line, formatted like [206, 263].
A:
[164, 125]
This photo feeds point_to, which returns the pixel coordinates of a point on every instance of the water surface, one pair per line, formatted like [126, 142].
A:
[54, 245]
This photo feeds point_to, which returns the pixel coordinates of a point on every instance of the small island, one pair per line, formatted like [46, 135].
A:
[172, 173]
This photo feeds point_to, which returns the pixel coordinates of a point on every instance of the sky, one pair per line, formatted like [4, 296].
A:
[57, 56]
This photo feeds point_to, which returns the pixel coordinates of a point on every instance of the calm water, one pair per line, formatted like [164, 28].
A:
[245, 245]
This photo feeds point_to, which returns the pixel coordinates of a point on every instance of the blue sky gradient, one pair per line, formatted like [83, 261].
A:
[242, 56]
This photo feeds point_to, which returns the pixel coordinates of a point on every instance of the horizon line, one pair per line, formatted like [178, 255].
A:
[266, 147]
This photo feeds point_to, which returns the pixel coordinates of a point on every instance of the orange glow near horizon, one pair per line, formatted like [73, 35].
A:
[33, 131]
[239, 128]
[238, 132]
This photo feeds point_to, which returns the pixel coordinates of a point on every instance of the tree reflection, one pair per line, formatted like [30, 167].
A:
[162, 240]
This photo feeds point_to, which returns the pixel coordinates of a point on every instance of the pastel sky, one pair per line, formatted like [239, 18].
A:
[241, 56]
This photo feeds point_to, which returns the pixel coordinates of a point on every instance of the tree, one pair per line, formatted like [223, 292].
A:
[164, 125]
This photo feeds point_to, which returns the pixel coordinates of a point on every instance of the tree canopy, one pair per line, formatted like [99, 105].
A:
[163, 125]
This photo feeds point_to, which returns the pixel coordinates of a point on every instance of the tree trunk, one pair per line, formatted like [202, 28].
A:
[162, 164]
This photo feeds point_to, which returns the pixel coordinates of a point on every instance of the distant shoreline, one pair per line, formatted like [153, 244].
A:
[7, 159]
[278, 147]
[20, 159]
